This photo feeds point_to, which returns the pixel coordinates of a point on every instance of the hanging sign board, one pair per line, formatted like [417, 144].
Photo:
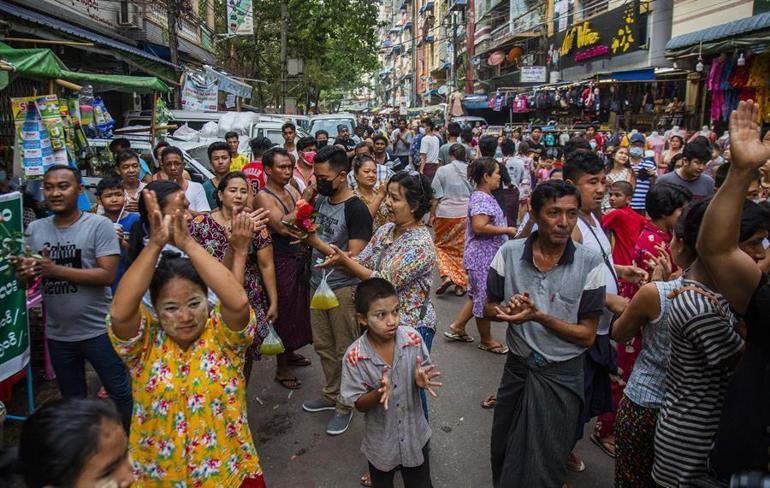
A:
[611, 34]
[533, 74]
[240, 18]
[14, 328]
[199, 94]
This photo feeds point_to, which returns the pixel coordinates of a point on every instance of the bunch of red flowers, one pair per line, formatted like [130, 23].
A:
[305, 219]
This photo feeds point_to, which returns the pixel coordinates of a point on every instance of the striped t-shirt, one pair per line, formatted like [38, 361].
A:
[703, 336]
[642, 185]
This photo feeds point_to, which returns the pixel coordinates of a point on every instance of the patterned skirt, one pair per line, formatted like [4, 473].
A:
[634, 445]
[293, 323]
[450, 244]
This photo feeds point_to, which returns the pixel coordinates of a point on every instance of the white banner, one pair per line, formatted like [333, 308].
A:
[240, 18]
[199, 93]
[533, 74]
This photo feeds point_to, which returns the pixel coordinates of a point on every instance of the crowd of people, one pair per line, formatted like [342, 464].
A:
[633, 295]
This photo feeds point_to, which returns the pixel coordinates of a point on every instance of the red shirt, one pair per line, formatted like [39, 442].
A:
[650, 237]
[625, 225]
[255, 172]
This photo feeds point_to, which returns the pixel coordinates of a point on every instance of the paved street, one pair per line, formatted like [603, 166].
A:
[297, 453]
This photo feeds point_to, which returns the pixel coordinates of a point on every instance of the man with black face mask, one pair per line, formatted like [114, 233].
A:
[343, 221]
[321, 139]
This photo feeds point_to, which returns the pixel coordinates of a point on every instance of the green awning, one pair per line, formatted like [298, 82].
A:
[43, 63]
[101, 82]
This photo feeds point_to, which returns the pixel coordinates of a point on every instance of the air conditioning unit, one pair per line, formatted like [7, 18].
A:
[128, 15]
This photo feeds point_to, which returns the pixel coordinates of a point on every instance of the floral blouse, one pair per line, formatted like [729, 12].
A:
[189, 427]
[408, 264]
[211, 236]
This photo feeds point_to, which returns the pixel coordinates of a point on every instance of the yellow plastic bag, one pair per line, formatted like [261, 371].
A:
[324, 297]
[272, 345]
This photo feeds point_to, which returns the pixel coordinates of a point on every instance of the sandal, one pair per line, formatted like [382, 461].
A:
[496, 349]
[460, 291]
[451, 335]
[292, 383]
[575, 464]
[365, 479]
[299, 361]
[490, 402]
[606, 446]
[444, 287]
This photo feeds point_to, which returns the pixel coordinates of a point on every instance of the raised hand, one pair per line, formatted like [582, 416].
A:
[384, 389]
[259, 219]
[241, 232]
[661, 264]
[424, 377]
[160, 225]
[748, 151]
[180, 231]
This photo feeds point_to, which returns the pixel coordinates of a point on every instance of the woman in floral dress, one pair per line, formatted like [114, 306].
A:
[189, 426]
[213, 232]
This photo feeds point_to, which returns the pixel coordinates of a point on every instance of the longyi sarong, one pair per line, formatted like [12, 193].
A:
[537, 412]
[449, 239]
[293, 323]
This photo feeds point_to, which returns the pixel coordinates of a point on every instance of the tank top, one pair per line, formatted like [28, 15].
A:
[281, 243]
[646, 385]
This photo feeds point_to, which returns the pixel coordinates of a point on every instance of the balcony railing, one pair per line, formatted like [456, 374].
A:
[530, 20]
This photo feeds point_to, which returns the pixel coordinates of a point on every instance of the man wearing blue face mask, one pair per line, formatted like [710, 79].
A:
[644, 171]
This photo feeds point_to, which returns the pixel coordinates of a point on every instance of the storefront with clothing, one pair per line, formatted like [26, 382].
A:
[728, 63]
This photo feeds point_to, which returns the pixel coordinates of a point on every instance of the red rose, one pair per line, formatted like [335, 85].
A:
[304, 211]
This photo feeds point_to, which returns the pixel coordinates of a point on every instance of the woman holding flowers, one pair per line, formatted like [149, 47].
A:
[189, 424]
[214, 232]
[291, 260]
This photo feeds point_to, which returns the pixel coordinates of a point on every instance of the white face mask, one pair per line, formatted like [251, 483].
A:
[592, 143]
[636, 152]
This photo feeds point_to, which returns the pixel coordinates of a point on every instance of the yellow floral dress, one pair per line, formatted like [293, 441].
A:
[189, 427]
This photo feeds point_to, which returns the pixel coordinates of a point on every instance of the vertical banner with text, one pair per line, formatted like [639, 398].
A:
[240, 18]
[14, 328]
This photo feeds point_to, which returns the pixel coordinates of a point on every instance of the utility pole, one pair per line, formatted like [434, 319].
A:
[172, 18]
[452, 52]
[413, 97]
[471, 46]
[284, 27]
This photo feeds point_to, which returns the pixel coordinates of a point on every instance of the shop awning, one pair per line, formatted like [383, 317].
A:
[43, 63]
[632, 75]
[742, 32]
[128, 53]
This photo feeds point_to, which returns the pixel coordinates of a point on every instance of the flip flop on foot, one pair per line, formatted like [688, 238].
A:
[607, 446]
[299, 360]
[291, 383]
[444, 287]
[496, 349]
[365, 479]
[451, 335]
[489, 402]
[459, 291]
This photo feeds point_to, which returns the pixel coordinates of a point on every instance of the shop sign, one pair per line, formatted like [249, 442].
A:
[199, 94]
[14, 328]
[240, 18]
[611, 34]
[533, 74]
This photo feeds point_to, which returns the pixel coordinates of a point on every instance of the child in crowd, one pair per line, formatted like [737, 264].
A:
[624, 224]
[386, 356]
[544, 169]
[110, 192]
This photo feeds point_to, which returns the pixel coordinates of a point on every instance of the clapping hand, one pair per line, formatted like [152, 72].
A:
[384, 389]
[160, 225]
[259, 219]
[520, 308]
[748, 151]
[424, 377]
[241, 232]
[661, 264]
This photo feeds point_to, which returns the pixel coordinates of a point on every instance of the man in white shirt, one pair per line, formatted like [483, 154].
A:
[429, 149]
[173, 165]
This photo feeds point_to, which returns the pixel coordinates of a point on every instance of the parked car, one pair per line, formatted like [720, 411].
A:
[329, 123]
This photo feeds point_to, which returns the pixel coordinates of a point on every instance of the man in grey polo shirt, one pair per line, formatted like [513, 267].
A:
[551, 292]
